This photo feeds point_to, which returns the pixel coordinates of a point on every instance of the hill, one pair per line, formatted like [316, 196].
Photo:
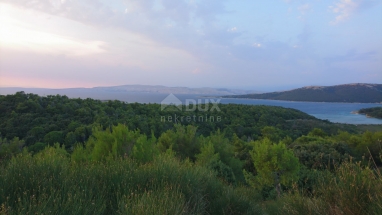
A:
[360, 93]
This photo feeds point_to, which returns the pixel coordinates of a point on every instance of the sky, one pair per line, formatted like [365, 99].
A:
[241, 44]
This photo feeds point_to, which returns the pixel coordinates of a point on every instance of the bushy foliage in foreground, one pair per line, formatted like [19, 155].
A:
[350, 189]
[257, 158]
[275, 165]
[50, 182]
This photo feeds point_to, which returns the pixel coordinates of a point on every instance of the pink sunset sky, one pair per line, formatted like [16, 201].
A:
[266, 45]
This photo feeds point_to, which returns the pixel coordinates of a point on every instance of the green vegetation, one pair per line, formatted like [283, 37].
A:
[50, 182]
[375, 112]
[363, 93]
[275, 165]
[372, 128]
[41, 121]
[256, 160]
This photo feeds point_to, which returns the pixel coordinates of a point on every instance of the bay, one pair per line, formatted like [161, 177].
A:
[334, 112]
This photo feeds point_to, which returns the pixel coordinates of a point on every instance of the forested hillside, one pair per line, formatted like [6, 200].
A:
[375, 112]
[75, 156]
[362, 93]
[51, 119]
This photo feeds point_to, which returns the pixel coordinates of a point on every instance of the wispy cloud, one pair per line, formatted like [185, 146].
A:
[215, 39]
[183, 25]
[196, 71]
[232, 29]
[257, 45]
[20, 36]
[344, 9]
[304, 8]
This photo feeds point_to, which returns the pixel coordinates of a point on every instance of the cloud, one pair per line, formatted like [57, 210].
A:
[17, 35]
[344, 9]
[257, 45]
[304, 8]
[196, 71]
[136, 39]
[232, 29]
[186, 25]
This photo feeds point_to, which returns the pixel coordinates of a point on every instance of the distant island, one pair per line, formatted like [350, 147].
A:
[375, 112]
[351, 93]
[94, 92]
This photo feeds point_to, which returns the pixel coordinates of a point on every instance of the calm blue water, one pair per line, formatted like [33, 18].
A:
[334, 112]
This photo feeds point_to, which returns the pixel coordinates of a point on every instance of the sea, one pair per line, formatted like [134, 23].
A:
[334, 112]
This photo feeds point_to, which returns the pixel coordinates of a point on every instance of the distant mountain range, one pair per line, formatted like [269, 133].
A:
[174, 90]
[359, 92]
[95, 91]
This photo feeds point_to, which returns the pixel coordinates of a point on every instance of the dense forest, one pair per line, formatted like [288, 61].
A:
[362, 93]
[85, 156]
[46, 120]
[375, 112]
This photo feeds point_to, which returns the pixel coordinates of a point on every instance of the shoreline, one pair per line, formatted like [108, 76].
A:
[377, 103]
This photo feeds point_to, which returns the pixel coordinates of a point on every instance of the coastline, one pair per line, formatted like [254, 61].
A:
[377, 103]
